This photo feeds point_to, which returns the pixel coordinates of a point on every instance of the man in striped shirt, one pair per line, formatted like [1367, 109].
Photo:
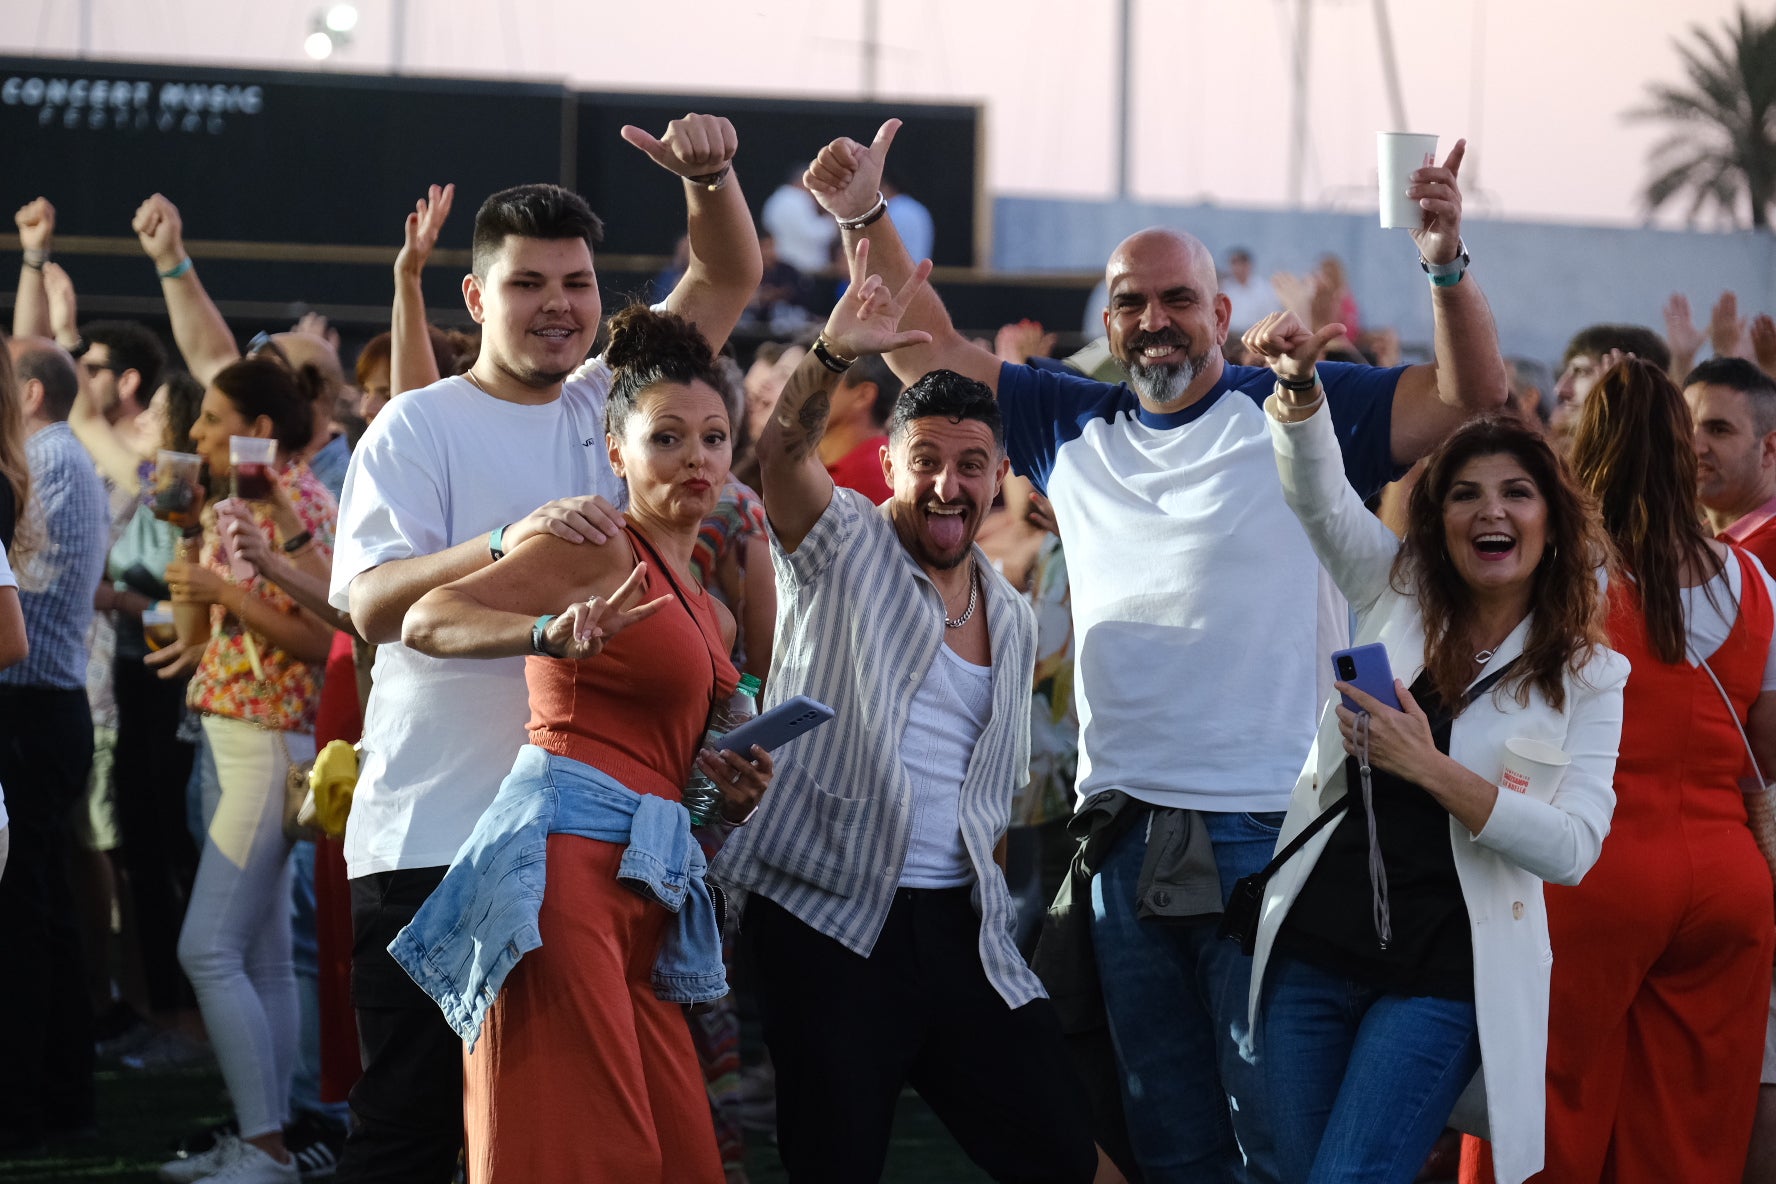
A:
[878, 923]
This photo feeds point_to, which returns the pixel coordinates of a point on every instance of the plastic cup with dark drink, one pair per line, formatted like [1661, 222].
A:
[251, 458]
[176, 487]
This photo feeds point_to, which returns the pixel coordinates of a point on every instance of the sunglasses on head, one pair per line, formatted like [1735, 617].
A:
[262, 343]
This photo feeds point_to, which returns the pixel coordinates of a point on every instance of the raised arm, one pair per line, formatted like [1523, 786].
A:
[202, 335]
[1353, 545]
[797, 487]
[846, 179]
[1469, 374]
[36, 231]
[1682, 336]
[411, 361]
[119, 462]
[725, 265]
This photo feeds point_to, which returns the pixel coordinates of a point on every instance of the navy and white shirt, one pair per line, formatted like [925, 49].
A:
[1201, 617]
[56, 588]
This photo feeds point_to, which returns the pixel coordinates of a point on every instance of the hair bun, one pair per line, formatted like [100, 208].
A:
[642, 337]
[311, 384]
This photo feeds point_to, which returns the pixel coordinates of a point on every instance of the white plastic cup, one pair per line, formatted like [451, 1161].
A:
[1534, 767]
[1397, 156]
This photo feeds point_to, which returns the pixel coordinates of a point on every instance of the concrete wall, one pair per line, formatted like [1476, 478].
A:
[1545, 281]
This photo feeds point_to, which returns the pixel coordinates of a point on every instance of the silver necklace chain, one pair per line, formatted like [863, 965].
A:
[973, 596]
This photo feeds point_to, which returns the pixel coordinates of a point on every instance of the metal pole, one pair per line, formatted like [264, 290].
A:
[397, 36]
[1298, 100]
[1390, 68]
[872, 47]
[1476, 94]
[1124, 95]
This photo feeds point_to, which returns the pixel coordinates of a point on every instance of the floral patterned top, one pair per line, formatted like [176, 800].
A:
[737, 517]
[225, 683]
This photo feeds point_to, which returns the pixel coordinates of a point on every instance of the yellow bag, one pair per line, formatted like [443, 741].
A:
[331, 781]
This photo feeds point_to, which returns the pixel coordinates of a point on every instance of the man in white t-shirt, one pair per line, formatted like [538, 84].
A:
[1200, 614]
[1252, 299]
[447, 480]
[805, 236]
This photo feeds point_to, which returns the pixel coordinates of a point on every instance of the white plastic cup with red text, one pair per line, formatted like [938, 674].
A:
[1533, 767]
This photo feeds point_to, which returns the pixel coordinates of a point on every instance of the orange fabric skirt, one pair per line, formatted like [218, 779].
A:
[581, 1073]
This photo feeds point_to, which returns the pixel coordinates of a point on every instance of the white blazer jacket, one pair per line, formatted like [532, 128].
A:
[1525, 841]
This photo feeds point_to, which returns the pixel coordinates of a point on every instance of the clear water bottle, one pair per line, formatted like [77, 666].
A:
[701, 795]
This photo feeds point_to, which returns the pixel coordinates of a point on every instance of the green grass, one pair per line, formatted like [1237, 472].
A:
[142, 1115]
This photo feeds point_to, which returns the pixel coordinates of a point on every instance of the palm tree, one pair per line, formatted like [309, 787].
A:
[1724, 151]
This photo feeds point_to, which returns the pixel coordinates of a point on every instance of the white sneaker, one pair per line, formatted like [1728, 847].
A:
[190, 1168]
[253, 1166]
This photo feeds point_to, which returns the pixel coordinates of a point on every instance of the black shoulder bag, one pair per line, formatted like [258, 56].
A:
[1239, 920]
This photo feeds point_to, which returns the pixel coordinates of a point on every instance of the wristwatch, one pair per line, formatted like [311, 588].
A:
[539, 635]
[1447, 275]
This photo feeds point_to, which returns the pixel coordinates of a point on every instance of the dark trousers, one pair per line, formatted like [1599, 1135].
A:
[150, 772]
[407, 1108]
[846, 1033]
[46, 1045]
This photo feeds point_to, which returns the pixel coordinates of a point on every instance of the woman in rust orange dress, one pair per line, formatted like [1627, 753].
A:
[580, 1064]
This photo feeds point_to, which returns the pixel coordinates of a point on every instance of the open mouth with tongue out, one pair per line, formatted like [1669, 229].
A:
[947, 523]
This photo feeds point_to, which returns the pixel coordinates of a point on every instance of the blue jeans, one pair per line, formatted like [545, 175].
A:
[305, 1083]
[1176, 999]
[1367, 1080]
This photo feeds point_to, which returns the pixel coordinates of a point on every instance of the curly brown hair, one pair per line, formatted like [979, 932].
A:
[1567, 607]
[1632, 451]
[648, 347]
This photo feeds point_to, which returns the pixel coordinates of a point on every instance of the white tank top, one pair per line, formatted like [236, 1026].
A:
[945, 721]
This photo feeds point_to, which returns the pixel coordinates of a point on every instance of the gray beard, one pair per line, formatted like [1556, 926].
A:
[1165, 384]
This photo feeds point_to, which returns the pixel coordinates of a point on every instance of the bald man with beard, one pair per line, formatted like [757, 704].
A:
[1202, 620]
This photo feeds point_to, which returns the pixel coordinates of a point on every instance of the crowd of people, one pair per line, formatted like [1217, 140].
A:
[1251, 757]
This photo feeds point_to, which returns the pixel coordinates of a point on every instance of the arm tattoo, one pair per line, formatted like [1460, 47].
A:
[799, 420]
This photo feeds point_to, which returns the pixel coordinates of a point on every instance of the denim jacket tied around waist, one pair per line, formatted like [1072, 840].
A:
[482, 918]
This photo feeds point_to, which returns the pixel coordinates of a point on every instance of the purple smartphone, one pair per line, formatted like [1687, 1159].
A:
[1366, 667]
[778, 726]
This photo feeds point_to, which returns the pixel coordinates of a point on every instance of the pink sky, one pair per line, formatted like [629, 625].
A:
[1211, 77]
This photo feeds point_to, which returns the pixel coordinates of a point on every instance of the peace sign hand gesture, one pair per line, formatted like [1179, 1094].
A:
[867, 319]
[583, 628]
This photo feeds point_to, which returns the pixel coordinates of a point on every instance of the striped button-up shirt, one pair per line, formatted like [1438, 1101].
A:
[56, 585]
[858, 626]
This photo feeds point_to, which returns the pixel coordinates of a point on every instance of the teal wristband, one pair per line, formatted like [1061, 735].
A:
[1447, 281]
[496, 541]
[176, 270]
[538, 632]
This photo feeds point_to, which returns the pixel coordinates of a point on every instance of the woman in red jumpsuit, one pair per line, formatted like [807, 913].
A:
[1662, 954]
